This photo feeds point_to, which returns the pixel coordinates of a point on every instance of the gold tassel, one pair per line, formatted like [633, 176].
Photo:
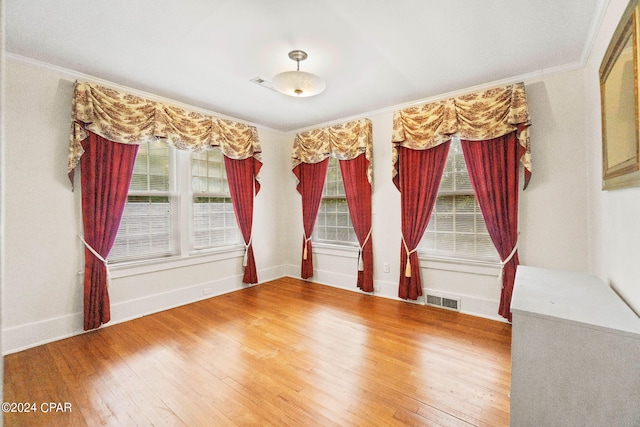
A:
[407, 269]
[360, 261]
[304, 253]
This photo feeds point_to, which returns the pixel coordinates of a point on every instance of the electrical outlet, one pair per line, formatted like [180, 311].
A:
[385, 267]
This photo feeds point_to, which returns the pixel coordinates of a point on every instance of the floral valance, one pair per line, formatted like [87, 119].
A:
[344, 141]
[130, 119]
[477, 116]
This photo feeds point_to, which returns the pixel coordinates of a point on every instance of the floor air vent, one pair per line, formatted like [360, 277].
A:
[444, 302]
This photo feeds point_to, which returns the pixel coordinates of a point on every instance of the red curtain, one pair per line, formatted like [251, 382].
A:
[311, 178]
[243, 186]
[418, 180]
[493, 169]
[358, 192]
[105, 170]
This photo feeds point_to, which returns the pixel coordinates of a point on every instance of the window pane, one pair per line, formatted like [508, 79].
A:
[213, 185]
[331, 188]
[158, 161]
[444, 204]
[208, 174]
[214, 223]
[465, 223]
[445, 242]
[145, 230]
[342, 234]
[447, 183]
[465, 204]
[485, 244]
[333, 184]
[151, 169]
[463, 182]
[465, 243]
[457, 228]
[334, 223]
[481, 226]
[342, 220]
[428, 241]
[445, 222]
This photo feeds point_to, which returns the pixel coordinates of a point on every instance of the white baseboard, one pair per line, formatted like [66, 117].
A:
[22, 337]
[469, 304]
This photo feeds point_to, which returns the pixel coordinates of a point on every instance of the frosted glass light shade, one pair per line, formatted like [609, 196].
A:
[298, 83]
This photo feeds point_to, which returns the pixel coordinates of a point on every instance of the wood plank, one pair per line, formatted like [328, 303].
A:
[287, 352]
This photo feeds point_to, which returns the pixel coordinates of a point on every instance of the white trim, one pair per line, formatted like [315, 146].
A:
[593, 32]
[472, 305]
[526, 78]
[345, 251]
[147, 95]
[469, 304]
[134, 268]
[484, 268]
[22, 337]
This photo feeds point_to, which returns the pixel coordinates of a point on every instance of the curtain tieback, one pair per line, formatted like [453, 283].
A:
[97, 255]
[245, 260]
[360, 259]
[306, 241]
[407, 269]
[506, 261]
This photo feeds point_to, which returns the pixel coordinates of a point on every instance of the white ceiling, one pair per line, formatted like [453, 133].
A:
[372, 54]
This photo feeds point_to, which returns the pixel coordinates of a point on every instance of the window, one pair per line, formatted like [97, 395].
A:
[146, 228]
[334, 223]
[456, 228]
[214, 222]
[158, 221]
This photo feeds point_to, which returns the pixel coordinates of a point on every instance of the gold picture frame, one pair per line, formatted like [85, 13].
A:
[619, 101]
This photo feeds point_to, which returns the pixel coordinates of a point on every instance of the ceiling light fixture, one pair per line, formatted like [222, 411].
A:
[298, 83]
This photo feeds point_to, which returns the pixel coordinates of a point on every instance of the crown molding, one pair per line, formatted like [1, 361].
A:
[76, 75]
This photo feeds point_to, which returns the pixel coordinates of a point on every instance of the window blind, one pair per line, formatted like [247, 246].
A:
[146, 227]
[456, 228]
[334, 223]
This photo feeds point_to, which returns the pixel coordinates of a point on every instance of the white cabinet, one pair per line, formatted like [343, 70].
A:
[575, 352]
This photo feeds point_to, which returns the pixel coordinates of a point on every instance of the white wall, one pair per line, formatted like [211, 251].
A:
[553, 210]
[614, 225]
[43, 291]
[2, 199]
[42, 298]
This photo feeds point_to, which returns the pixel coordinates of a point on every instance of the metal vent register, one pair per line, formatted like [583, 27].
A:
[444, 302]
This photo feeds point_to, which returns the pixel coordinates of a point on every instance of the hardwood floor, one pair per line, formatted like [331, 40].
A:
[282, 353]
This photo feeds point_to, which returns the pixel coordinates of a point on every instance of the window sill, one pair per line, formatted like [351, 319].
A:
[134, 268]
[461, 265]
[335, 250]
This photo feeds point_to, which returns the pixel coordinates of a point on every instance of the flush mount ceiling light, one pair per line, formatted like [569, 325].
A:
[298, 83]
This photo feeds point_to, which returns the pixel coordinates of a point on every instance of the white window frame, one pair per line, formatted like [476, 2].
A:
[181, 198]
[219, 195]
[334, 164]
[174, 200]
[454, 257]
